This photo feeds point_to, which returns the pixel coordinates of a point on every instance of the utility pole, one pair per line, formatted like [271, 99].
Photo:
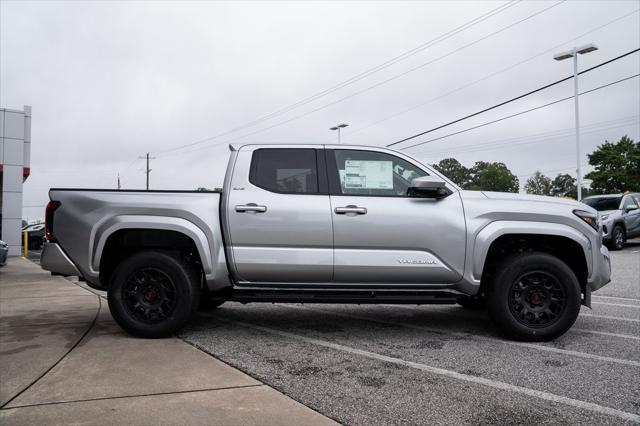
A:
[148, 170]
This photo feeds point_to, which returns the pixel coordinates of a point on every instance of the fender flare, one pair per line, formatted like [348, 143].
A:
[490, 233]
[101, 232]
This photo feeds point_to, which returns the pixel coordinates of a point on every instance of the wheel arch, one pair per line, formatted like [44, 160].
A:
[620, 223]
[500, 239]
[125, 234]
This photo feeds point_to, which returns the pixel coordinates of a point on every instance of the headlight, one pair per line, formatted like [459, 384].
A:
[604, 217]
[590, 218]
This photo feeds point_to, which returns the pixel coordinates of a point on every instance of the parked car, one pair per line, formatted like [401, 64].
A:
[619, 215]
[35, 235]
[4, 252]
[329, 224]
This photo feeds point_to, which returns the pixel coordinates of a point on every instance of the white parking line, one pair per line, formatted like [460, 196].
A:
[631, 299]
[617, 304]
[605, 333]
[610, 317]
[581, 314]
[483, 337]
[547, 396]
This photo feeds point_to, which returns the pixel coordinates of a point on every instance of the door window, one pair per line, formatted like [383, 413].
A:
[287, 171]
[372, 173]
[630, 202]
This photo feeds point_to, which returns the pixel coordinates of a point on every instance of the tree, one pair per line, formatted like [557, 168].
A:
[617, 167]
[538, 184]
[454, 170]
[563, 185]
[202, 189]
[492, 177]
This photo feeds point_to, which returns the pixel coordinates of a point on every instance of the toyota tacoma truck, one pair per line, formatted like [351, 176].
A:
[329, 224]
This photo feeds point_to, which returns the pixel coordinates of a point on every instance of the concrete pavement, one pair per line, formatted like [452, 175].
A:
[63, 360]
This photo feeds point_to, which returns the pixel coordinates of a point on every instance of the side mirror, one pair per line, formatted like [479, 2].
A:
[428, 187]
[630, 207]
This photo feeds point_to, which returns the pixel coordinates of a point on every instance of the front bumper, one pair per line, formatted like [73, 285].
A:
[55, 260]
[601, 273]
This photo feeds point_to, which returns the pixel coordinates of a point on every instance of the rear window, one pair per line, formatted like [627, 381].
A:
[287, 170]
[603, 203]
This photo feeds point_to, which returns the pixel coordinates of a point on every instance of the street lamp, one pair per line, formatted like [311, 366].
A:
[573, 53]
[338, 127]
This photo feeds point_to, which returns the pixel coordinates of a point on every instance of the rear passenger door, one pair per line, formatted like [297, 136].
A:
[279, 216]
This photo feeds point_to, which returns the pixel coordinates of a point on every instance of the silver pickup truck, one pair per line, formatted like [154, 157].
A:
[329, 224]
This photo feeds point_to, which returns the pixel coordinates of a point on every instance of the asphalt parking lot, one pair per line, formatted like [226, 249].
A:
[387, 364]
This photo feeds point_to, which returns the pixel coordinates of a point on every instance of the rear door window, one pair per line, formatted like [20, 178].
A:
[286, 170]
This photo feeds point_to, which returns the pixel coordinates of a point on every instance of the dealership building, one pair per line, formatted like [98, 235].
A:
[15, 156]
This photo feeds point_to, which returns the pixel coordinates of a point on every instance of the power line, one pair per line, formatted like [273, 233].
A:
[551, 171]
[537, 138]
[366, 89]
[514, 98]
[363, 74]
[521, 112]
[382, 66]
[488, 76]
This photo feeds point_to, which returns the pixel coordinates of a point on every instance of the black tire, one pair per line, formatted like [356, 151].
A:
[534, 297]
[618, 238]
[209, 304]
[153, 294]
[471, 303]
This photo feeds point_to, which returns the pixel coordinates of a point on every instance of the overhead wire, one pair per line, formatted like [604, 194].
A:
[351, 132]
[498, 105]
[366, 89]
[363, 74]
[537, 138]
[521, 112]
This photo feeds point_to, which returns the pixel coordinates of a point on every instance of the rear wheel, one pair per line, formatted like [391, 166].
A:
[617, 238]
[534, 297]
[153, 294]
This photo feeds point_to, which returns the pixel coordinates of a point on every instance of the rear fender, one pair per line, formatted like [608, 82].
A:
[102, 231]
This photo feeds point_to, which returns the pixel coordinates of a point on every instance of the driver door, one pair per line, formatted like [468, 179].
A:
[383, 236]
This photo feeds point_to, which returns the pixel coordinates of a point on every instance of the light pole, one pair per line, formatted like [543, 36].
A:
[338, 127]
[573, 53]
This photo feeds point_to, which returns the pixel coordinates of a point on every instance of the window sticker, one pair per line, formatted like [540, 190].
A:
[361, 174]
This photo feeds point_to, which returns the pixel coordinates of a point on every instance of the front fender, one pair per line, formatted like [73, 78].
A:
[487, 235]
[102, 231]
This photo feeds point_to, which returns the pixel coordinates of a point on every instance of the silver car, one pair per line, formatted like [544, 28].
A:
[619, 216]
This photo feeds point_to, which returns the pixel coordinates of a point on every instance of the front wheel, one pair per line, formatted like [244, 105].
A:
[153, 294]
[617, 238]
[534, 297]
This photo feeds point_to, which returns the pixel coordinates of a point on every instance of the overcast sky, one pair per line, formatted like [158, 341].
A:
[109, 81]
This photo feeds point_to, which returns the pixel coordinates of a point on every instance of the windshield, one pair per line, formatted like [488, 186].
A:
[603, 203]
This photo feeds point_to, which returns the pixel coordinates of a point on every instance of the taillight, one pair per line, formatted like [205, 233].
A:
[48, 219]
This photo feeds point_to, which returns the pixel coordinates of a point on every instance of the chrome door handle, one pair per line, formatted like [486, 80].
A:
[251, 207]
[350, 209]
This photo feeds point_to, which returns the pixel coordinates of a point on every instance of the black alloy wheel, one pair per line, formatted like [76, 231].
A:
[537, 299]
[533, 297]
[153, 293]
[617, 238]
[149, 295]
